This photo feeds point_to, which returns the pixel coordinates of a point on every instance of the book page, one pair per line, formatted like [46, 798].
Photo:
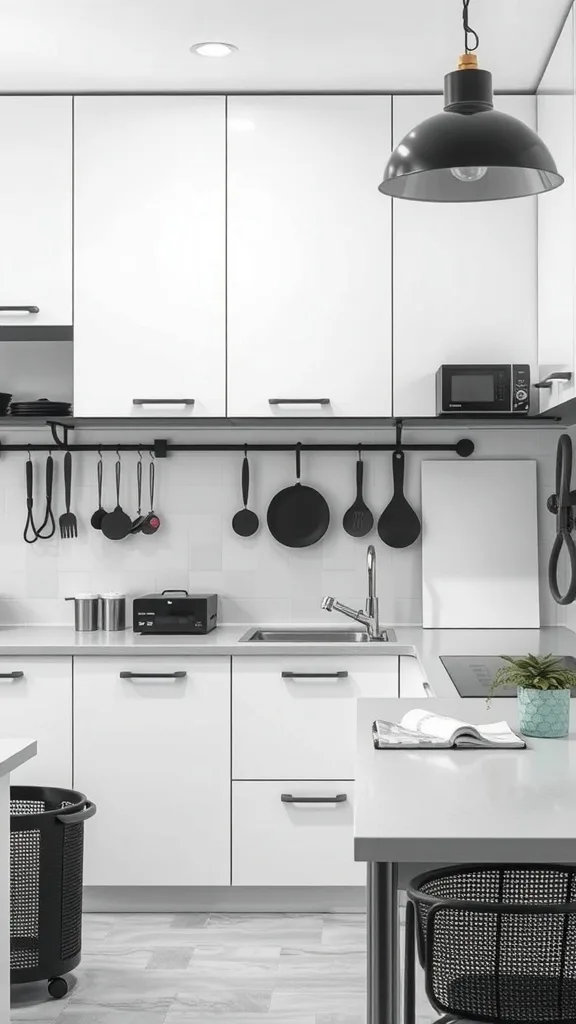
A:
[429, 724]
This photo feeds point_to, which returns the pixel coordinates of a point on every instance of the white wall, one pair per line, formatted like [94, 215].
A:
[197, 495]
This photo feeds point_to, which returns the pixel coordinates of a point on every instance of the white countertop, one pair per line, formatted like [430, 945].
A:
[425, 644]
[14, 752]
[463, 805]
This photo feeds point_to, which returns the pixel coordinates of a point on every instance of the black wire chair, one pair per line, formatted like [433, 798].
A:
[497, 943]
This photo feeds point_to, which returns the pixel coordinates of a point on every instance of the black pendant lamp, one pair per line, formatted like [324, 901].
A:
[469, 152]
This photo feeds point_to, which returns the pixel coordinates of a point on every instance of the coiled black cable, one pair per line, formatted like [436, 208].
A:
[561, 504]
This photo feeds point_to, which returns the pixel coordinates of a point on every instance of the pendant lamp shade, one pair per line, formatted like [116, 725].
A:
[469, 152]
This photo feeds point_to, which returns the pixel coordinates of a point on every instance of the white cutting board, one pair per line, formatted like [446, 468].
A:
[480, 545]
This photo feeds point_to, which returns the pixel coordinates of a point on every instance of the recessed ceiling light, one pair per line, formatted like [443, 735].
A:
[213, 49]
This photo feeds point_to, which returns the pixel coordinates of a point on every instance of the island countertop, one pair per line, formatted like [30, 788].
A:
[463, 805]
[14, 752]
[426, 645]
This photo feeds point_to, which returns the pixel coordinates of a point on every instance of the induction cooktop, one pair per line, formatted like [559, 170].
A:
[472, 675]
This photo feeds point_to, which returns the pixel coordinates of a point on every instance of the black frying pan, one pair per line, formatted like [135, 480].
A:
[299, 515]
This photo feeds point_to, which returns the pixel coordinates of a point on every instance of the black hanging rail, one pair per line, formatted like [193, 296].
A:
[160, 447]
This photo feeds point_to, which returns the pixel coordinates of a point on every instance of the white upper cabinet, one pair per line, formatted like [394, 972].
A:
[309, 280]
[36, 210]
[555, 106]
[465, 277]
[150, 204]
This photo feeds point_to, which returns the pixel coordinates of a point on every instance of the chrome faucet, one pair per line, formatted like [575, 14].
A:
[369, 618]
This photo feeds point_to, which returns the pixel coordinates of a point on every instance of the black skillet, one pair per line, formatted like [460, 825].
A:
[399, 526]
[298, 516]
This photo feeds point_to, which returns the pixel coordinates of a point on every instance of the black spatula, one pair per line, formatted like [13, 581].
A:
[398, 525]
[358, 520]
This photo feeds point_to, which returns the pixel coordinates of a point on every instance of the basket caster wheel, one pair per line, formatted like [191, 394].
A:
[58, 988]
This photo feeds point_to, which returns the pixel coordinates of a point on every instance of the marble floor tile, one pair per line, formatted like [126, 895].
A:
[263, 929]
[75, 1015]
[209, 997]
[232, 962]
[319, 995]
[189, 920]
[316, 962]
[130, 989]
[344, 930]
[340, 1018]
[169, 959]
[178, 1016]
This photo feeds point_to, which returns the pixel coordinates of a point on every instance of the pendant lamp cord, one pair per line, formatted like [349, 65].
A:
[469, 33]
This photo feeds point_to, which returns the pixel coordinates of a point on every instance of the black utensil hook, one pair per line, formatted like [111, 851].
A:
[65, 427]
[298, 460]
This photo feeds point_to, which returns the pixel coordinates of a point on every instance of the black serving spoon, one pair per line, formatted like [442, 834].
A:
[117, 524]
[98, 515]
[398, 525]
[245, 522]
[358, 520]
[139, 520]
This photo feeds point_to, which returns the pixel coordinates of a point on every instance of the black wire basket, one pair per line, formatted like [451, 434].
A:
[46, 862]
[497, 942]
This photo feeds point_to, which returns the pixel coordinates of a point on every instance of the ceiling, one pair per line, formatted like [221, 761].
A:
[304, 45]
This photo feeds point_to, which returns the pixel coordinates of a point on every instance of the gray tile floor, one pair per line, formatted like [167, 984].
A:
[241, 968]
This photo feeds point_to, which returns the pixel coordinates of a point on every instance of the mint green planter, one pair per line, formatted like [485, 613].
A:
[544, 713]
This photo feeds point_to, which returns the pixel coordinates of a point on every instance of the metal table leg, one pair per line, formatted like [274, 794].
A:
[383, 963]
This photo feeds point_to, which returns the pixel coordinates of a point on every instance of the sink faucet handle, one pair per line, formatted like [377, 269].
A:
[328, 603]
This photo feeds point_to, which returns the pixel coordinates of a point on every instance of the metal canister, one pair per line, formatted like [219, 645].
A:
[113, 612]
[86, 608]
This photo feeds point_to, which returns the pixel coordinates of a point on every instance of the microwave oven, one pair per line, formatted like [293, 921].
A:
[483, 388]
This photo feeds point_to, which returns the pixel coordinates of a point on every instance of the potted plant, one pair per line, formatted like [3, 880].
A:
[543, 686]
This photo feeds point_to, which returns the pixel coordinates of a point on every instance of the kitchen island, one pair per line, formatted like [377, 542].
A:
[13, 752]
[452, 806]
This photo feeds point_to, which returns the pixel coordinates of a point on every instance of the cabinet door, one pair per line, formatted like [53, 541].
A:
[308, 256]
[294, 717]
[465, 283]
[149, 255]
[36, 701]
[290, 843]
[555, 106]
[36, 209]
[413, 681]
[152, 750]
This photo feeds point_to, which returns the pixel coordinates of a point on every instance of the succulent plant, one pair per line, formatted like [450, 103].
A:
[534, 673]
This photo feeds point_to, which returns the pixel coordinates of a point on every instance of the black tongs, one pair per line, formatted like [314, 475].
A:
[561, 504]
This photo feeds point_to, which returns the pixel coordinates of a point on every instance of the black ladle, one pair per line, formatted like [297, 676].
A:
[139, 520]
[117, 524]
[358, 520]
[398, 525]
[152, 520]
[98, 515]
[245, 522]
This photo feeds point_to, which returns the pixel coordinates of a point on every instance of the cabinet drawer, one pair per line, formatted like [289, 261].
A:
[289, 843]
[294, 717]
[36, 701]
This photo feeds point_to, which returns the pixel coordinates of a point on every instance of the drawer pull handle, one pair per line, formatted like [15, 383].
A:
[19, 309]
[340, 798]
[427, 689]
[153, 675]
[163, 401]
[298, 401]
[315, 675]
[11, 675]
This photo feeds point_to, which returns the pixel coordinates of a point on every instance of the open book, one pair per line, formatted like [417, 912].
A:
[428, 731]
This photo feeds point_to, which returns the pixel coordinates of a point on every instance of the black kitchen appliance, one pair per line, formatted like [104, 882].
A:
[175, 612]
[473, 675]
[483, 388]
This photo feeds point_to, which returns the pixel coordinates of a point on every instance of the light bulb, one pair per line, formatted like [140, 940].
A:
[468, 173]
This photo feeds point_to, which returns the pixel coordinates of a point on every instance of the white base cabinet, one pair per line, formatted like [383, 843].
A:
[36, 701]
[152, 749]
[294, 717]
[413, 681]
[278, 842]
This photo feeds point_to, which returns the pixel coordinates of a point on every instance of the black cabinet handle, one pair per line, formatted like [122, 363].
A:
[19, 309]
[78, 816]
[427, 689]
[314, 675]
[547, 382]
[153, 675]
[298, 401]
[340, 798]
[11, 675]
[163, 401]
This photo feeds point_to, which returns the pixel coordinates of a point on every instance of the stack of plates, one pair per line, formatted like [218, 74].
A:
[41, 407]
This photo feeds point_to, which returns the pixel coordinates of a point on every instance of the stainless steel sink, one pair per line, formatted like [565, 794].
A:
[312, 636]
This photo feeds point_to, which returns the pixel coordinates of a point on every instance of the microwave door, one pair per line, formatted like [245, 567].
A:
[476, 389]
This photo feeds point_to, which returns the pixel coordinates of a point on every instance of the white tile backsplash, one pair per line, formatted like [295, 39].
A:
[197, 495]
